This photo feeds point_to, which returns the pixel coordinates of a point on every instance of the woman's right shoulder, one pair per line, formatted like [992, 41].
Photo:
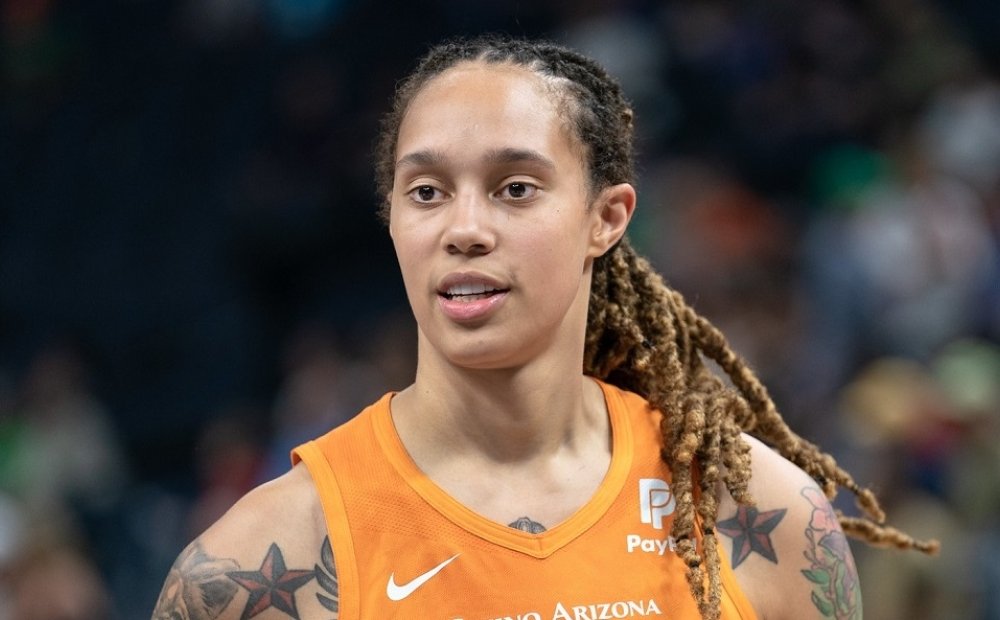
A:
[269, 550]
[286, 509]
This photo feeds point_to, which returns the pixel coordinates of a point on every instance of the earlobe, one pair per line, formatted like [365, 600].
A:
[390, 222]
[612, 211]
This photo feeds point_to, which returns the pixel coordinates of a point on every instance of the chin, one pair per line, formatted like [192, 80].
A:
[477, 353]
[486, 359]
[492, 347]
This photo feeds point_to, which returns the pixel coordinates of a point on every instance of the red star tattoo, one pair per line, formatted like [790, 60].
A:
[750, 531]
[272, 585]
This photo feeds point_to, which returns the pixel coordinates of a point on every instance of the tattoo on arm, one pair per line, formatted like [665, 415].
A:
[196, 587]
[525, 524]
[272, 585]
[326, 576]
[201, 587]
[751, 530]
[836, 592]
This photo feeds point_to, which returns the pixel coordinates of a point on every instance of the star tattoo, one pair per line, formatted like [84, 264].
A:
[751, 531]
[272, 585]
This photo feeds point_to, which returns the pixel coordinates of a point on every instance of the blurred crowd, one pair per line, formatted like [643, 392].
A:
[193, 279]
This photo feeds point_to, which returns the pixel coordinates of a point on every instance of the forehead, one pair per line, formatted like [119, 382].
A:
[468, 78]
[476, 100]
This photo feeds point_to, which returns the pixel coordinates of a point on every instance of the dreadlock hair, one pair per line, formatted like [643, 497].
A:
[643, 337]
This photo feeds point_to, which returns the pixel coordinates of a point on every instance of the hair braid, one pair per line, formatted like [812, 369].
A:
[883, 535]
[708, 507]
[658, 353]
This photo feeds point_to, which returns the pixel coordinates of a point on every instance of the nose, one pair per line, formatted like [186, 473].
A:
[469, 229]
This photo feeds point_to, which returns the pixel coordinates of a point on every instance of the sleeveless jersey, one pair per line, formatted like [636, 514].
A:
[404, 548]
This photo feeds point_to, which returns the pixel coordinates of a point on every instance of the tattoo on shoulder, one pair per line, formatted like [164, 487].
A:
[751, 531]
[197, 587]
[272, 585]
[525, 524]
[201, 587]
[836, 592]
[326, 576]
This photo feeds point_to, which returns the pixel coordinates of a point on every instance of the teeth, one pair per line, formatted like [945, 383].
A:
[474, 297]
[468, 289]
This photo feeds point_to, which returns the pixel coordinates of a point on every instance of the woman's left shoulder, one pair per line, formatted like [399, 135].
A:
[788, 551]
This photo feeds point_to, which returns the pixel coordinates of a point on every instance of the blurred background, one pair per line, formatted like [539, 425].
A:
[193, 279]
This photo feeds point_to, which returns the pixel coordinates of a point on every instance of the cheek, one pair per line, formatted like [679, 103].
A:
[412, 244]
[411, 264]
[555, 261]
[561, 243]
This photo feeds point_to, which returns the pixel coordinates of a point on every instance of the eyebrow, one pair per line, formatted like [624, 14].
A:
[507, 155]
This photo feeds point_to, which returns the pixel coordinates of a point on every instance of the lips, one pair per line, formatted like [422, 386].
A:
[469, 286]
[469, 296]
[470, 292]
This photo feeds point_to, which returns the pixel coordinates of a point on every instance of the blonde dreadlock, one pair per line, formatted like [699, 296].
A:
[642, 336]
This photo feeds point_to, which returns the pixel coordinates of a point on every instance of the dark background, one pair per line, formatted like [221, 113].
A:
[193, 279]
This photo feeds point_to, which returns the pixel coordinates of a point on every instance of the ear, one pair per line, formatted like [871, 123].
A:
[385, 214]
[611, 213]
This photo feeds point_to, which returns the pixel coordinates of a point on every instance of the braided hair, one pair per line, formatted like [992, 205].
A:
[642, 336]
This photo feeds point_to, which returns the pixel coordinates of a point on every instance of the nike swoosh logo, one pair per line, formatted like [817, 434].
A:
[399, 592]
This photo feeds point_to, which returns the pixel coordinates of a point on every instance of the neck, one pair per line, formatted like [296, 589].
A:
[507, 415]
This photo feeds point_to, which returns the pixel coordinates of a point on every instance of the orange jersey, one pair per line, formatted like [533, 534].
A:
[405, 549]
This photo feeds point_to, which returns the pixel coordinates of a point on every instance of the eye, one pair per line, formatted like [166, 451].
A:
[518, 191]
[424, 194]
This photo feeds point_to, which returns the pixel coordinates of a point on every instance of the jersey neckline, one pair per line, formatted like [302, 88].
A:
[539, 545]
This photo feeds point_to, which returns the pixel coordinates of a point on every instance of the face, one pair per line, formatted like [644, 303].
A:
[490, 218]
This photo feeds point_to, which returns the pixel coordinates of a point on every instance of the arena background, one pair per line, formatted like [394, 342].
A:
[193, 279]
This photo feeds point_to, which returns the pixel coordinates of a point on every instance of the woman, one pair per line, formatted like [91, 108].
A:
[563, 451]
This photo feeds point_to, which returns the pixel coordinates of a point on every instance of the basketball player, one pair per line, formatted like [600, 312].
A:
[563, 452]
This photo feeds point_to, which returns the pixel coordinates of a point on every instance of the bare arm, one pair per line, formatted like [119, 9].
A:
[788, 552]
[270, 551]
